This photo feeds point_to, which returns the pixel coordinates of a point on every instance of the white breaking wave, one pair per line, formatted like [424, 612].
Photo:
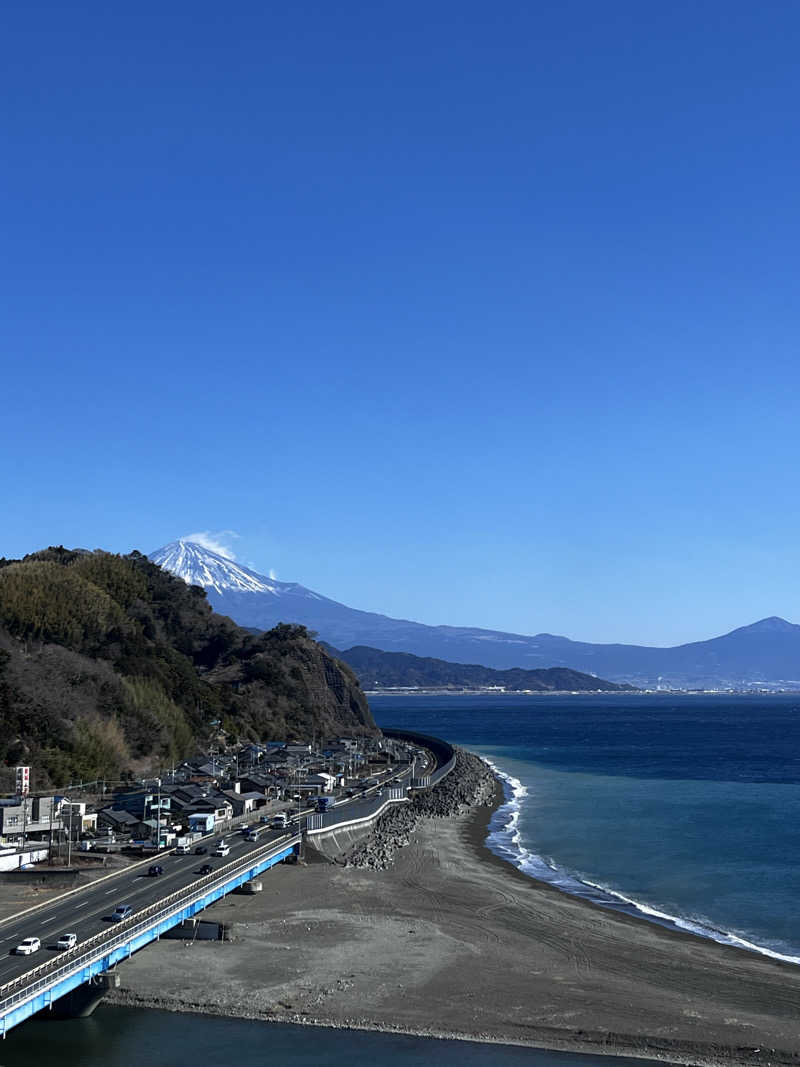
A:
[505, 840]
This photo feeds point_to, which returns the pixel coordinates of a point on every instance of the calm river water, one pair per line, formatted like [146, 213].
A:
[127, 1037]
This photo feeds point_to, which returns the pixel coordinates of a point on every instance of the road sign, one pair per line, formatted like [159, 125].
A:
[23, 781]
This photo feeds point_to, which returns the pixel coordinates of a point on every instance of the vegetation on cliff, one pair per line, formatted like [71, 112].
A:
[109, 665]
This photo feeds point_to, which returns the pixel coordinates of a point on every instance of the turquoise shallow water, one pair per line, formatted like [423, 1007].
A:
[684, 809]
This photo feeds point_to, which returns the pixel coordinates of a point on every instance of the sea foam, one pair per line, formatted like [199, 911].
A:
[505, 840]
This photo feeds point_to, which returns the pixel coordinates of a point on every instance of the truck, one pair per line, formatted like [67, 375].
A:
[279, 821]
[325, 803]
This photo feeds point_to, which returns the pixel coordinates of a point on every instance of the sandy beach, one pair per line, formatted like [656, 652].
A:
[455, 942]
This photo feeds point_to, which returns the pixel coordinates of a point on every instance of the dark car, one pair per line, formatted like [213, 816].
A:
[206, 868]
[155, 870]
[200, 850]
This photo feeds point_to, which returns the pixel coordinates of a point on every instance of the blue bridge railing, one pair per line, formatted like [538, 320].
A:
[39, 987]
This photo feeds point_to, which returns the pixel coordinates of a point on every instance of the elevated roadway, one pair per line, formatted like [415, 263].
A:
[87, 911]
[31, 983]
[157, 902]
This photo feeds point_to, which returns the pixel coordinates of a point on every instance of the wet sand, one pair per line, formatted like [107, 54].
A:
[455, 942]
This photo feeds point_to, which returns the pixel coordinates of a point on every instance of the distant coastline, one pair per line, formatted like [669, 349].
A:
[411, 691]
[493, 691]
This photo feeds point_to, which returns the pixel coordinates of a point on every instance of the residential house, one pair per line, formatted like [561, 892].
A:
[119, 821]
[217, 805]
[324, 781]
[31, 816]
[76, 820]
[243, 803]
[144, 803]
[268, 785]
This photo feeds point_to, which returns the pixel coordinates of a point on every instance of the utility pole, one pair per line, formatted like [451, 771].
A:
[69, 836]
[158, 816]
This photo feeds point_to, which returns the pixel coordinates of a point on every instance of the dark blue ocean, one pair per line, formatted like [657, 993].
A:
[685, 809]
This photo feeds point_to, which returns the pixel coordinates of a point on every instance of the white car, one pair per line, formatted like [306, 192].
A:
[67, 941]
[222, 849]
[28, 946]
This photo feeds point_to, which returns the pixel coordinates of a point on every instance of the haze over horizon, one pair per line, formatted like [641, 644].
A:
[475, 318]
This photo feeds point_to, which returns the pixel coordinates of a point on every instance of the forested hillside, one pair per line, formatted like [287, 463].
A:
[109, 665]
[377, 669]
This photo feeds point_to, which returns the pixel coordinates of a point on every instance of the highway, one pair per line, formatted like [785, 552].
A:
[87, 911]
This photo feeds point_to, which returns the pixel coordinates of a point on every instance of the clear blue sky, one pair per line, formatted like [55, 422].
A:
[467, 313]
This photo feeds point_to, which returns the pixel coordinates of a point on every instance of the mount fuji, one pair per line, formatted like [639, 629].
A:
[765, 653]
[198, 565]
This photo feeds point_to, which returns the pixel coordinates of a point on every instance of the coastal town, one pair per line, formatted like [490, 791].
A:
[399, 577]
[216, 790]
[382, 930]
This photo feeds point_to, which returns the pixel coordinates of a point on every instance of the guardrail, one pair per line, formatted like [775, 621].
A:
[442, 771]
[364, 811]
[445, 757]
[27, 985]
[443, 752]
[224, 828]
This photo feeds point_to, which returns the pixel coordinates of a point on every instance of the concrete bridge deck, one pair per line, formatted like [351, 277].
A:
[33, 983]
[29, 984]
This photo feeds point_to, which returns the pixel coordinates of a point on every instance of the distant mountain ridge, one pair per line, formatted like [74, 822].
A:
[766, 652]
[390, 670]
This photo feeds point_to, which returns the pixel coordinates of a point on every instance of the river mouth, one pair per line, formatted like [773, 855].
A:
[120, 1036]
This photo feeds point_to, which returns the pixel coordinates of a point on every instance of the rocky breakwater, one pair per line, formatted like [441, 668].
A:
[470, 784]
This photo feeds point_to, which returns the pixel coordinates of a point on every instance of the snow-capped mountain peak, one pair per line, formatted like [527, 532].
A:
[769, 649]
[198, 565]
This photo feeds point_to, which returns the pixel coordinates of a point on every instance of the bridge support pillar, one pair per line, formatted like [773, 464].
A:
[83, 1000]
